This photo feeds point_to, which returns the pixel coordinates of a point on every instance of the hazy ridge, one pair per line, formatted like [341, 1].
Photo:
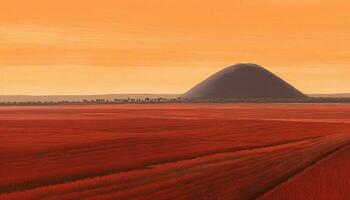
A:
[335, 95]
[25, 98]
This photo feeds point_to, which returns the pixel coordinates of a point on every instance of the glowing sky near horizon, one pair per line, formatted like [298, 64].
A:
[157, 46]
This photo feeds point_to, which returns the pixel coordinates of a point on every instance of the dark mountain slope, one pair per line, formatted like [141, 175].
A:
[243, 81]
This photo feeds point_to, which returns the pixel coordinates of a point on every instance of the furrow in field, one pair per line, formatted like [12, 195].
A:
[46, 179]
[291, 176]
[190, 151]
[74, 162]
[327, 179]
[245, 174]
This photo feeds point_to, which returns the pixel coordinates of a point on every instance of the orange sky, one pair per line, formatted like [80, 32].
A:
[157, 46]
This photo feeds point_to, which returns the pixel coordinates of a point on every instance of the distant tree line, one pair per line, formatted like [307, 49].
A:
[186, 100]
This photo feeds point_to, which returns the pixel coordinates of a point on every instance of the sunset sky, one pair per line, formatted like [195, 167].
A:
[166, 46]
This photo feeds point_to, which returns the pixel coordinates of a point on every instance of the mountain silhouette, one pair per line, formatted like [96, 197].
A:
[243, 81]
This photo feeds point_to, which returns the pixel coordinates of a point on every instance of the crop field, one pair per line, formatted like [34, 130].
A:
[172, 151]
[329, 179]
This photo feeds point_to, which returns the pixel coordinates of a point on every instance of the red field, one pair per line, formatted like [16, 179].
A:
[174, 151]
[328, 179]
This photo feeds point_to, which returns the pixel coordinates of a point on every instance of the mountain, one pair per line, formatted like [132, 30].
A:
[243, 81]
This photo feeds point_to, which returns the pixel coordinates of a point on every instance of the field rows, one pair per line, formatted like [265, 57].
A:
[328, 179]
[162, 151]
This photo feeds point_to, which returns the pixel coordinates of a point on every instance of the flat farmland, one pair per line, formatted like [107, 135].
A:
[328, 179]
[164, 151]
